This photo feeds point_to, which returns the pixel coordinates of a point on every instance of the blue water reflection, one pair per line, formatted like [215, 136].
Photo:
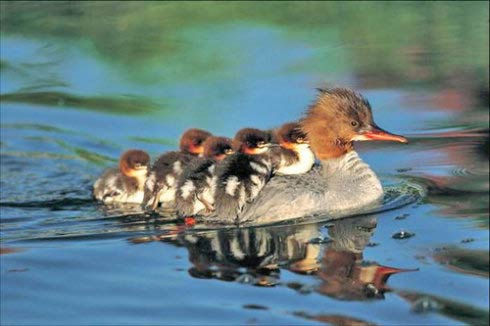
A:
[81, 82]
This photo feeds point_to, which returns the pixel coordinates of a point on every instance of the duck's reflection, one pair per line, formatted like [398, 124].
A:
[257, 255]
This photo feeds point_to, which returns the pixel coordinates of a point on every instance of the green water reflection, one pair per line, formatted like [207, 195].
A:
[82, 81]
[421, 41]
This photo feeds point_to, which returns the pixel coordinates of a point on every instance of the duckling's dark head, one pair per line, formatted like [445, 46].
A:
[192, 140]
[134, 162]
[218, 147]
[252, 141]
[290, 135]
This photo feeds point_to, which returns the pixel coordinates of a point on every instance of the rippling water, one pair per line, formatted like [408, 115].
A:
[81, 82]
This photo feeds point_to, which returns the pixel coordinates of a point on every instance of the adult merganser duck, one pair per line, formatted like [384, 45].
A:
[161, 183]
[294, 155]
[341, 184]
[197, 184]
[124, 184]
[241, 176]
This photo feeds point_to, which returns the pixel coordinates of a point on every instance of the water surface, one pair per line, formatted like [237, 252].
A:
[81, 82]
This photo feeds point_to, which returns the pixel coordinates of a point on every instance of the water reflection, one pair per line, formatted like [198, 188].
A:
[82, 81]
[256, 256]
[424, 303]
[467, 261]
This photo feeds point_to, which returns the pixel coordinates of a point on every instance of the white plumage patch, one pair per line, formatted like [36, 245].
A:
[261, 150]
[303, 165]
[187, 188]
[255, 179]
[177, 167]
[198, 207]
[231, 185]
[150, 182]
[236, 250]
[135, 198]
[111, 182]
[167, 195]
[258, 168]
[267, 163]
[242, 199]
[210, 190]
[211, 169]
[263, 248]
[254, 191]
[97, 183]
[258, 184]
[170, 180]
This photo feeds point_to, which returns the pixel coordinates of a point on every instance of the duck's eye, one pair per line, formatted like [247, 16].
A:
[137, 165]
[354, 123]
[261, 143]
[228, 151]
[300, 140]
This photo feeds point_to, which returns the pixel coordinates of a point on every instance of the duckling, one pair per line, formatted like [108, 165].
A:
[197, 184]
[294, 155]
[342, 183]
[124, 184]
[241, 176]
[161, 183]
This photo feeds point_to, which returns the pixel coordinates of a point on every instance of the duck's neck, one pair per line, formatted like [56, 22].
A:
[344, 164]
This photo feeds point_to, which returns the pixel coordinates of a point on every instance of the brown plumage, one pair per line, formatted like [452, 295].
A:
[126, 183]
[191, 141]
[337, 118]
[197, 184]
[251, 141]
[241, 176]
[161, 183]
[217, 148]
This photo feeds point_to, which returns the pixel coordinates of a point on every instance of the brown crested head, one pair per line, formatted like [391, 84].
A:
[252, 141]
[217, 147]
[192, 139]
[134, 162]
[338, 117]
[290, 135]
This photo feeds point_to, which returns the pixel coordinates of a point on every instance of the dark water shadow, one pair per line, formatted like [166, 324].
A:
[256, 256]
[129, 105]
[465, 261]
[425, 303]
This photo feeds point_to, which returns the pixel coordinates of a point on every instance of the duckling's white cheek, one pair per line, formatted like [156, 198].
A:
[303, 146]
[261, 150]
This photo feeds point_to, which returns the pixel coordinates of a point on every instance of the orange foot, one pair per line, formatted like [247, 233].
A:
[189, 221]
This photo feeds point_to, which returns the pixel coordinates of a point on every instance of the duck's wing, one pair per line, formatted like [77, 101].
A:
[287, 197]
